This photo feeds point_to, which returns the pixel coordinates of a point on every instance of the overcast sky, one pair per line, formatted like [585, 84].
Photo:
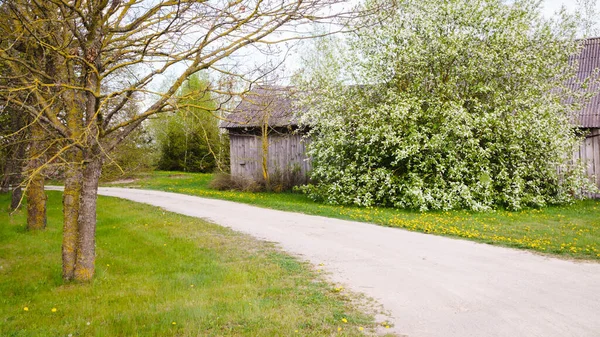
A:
[554, 5]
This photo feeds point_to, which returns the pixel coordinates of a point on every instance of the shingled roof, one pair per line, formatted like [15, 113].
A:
[589, 61]
[272, 102]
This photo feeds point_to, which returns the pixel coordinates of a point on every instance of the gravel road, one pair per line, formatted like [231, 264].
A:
[432, 286]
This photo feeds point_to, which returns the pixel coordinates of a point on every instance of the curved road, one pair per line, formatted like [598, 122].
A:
[432, 286]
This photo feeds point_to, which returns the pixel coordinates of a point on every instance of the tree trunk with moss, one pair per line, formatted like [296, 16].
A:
[71, 202]
[86, 244]
[91, 170]
[36, 196]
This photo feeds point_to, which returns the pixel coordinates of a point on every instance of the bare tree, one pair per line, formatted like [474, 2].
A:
[76, 64]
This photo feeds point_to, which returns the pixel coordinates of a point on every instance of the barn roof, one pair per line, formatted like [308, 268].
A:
[589, 61]
[272, 102]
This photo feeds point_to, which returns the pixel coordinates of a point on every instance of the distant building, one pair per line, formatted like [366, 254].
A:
[588, 119]
[266, 137]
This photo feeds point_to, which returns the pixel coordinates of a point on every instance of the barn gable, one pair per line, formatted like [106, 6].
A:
[264, 131]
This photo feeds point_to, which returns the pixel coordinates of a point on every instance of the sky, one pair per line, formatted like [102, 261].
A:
[551, 6]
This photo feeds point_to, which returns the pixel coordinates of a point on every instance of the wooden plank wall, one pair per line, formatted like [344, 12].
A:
[589, 154]
[286, 152]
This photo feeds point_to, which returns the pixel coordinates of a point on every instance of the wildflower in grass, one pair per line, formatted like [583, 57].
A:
[339, 328]
[174, 323]
[26, 309]
[360, 328]
[344, 320]
[53, 310]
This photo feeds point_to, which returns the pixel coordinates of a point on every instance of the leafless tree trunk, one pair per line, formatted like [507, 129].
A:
[36, 196]
[86, 244]
[16, 158]
[71, 202]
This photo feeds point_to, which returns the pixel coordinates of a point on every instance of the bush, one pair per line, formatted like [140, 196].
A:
[227, 182]
[279, 181]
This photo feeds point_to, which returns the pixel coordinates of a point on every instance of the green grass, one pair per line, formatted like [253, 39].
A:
[571, 231]
[162, 274]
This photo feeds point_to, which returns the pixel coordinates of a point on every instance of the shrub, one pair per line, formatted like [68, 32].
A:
[462, 104]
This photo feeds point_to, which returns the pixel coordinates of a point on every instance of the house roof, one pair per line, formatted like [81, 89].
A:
[589, 62]
[274, 103]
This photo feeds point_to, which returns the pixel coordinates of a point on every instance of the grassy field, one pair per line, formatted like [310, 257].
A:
[162, 274]
[571, 231]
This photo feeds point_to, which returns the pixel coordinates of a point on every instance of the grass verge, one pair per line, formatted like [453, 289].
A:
[571, 231]
[162, 274]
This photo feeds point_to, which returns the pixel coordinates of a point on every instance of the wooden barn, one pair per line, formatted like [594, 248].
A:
[266, 140]
[588, 119]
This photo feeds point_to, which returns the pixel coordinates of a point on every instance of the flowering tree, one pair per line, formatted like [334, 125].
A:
[444, 105]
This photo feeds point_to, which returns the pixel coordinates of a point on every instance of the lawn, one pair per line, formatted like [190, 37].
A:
[163, 274]
[571, 231]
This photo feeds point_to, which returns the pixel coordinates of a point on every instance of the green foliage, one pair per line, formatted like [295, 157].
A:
[189, 139]
[462, 104]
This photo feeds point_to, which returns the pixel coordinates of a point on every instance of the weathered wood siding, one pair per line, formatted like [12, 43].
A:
[286, 152]
[589, 154]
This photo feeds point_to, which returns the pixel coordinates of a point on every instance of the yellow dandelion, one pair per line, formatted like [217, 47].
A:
[53, 310]
[360, 328]
[387, 326]
[174, 323]
[191, 285]
[26, 309]
[339, 328]
[344, 320]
